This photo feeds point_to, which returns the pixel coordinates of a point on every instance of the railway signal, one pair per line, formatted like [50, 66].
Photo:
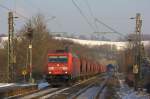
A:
[29, 33]
[30, 37]
[24, 73]
[135, 69]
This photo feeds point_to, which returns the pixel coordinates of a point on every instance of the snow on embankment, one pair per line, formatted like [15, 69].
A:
[127, 93]
[90, 43]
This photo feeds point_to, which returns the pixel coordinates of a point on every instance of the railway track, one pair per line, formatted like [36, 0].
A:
[62, 93]
[92, 91]
[16, 89]
[72, 92]
[77, 90]
[40, 93]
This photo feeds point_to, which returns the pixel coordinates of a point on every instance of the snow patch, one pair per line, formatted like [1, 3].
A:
[6, 84]
[42, 85]
[127, 93]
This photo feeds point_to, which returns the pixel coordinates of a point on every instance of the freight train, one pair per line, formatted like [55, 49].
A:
[64, 67]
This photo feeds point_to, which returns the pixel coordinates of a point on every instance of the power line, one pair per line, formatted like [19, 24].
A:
[41, 9]
[15, 5]
[6, 8]
[95, 20]
[92, 15]
[80, 11]
[33, 4]
[114, 31]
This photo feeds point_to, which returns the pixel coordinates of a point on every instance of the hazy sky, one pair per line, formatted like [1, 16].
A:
[115, 13]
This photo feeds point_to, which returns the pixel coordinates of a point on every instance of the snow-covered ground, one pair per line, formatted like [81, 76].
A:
[90, 43]
[6, 85]
[42, 85]
[2, 85]
[127, 93]
[89, 94]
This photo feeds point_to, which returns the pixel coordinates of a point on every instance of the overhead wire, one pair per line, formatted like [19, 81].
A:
[95, 20]
[20, 15]
[114, 31]
[42, 10]
[80, 11]
[6, 8]
[91, 13]
[15, 5]
[33, 4]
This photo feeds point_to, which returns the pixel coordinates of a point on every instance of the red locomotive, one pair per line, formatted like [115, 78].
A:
[63, 67]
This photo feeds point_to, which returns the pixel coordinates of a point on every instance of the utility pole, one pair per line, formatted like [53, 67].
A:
[11, 56]
[138, 40]
[137, 67]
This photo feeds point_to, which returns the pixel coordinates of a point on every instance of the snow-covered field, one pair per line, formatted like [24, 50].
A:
[90, 43]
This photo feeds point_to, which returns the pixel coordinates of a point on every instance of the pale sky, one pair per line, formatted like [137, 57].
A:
[115, 13]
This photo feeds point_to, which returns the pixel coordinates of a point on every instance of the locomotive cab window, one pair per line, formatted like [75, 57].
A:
[57, 59]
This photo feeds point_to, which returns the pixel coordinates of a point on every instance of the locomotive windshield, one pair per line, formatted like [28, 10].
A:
[57, 59]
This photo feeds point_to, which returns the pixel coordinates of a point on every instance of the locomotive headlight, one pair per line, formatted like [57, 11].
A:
[64, 68]
[66, 72]
[50, 68]
[50, 72]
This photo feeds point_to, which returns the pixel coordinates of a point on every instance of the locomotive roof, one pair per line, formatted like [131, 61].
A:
[61, 52]
[58, 51]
